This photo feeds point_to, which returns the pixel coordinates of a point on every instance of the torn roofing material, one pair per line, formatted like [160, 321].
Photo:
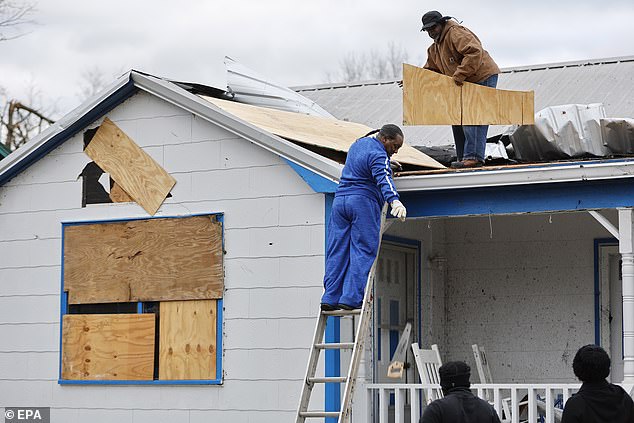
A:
[315, 130]
[249, 87]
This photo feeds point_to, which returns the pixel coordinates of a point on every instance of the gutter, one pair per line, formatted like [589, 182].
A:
[540, 174]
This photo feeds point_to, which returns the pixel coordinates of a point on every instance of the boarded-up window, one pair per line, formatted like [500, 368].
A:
[141, 300]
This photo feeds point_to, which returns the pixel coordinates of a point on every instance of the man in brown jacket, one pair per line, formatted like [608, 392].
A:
[457, 52]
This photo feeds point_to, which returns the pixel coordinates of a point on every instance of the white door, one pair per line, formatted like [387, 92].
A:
[611, 314]
[394, 305]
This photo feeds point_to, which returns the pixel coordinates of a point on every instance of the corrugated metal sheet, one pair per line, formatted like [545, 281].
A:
[374, 103]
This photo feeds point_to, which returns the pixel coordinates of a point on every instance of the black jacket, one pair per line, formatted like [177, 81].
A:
[599, 402]
[459, 406]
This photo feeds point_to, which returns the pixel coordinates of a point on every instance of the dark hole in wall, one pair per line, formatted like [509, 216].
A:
[103, 308]
[154, 307]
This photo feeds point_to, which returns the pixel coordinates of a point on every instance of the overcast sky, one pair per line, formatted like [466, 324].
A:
[295, 42]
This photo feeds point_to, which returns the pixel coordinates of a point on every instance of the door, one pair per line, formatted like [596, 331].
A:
[395, 304]
[611, 308]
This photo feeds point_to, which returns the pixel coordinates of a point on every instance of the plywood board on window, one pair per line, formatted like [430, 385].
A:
[108, 346]
[129, 166]
[429, 98]
[187, 346]
[144, 260]
[315, 130]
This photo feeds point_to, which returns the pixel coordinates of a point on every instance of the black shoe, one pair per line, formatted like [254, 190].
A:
[348, 307]
[329, 307]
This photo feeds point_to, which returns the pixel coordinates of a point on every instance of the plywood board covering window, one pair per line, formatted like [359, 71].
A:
[108, 346]
[187, 346]
[159, 259]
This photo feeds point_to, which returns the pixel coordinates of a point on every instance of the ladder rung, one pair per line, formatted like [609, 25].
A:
[334, 379]
[342, 312]
[319, 413]
[335, 346]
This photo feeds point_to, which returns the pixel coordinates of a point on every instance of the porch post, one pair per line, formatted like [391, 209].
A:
[626, 248]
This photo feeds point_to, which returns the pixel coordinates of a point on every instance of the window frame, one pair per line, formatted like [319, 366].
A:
[64, 309]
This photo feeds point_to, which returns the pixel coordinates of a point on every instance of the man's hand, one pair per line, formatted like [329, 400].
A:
[398, 210]
[400, 83]
[458, 82]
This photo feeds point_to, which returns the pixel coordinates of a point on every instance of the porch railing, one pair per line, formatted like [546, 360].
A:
[514, 403]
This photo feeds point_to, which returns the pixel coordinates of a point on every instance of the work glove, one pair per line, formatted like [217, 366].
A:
[459, 82]
[398, 210]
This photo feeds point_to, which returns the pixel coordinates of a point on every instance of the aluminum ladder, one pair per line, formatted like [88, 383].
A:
[319, 345]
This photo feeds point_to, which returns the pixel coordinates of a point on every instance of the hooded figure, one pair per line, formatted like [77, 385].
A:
[459, 405]
[597, 400]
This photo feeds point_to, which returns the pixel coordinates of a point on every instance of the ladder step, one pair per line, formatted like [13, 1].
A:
[309, 414]
[335, 346]
[342, 312]
[334, 379]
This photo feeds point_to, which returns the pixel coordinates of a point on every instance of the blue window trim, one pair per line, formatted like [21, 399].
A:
[598, 243]
[64, 310]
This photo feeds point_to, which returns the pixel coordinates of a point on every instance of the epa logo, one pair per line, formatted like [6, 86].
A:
[15, 414]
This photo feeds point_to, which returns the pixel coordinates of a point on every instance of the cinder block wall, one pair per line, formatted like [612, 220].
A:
[522, 287]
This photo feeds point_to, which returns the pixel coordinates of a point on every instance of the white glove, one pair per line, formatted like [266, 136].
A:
[398, 210]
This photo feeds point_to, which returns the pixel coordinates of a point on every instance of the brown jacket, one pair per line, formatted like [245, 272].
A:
[459, 54]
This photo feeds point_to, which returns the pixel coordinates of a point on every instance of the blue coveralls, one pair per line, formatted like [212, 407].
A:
[355, 221]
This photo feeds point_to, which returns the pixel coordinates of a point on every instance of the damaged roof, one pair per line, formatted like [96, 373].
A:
[609, 81]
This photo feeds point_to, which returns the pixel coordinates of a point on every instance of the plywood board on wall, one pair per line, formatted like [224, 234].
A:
[315, 130]
[144, 260]
[108, 346]
[187, 346]
[129, 166]
[429, 98]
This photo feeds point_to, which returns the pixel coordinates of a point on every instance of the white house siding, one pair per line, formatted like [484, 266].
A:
[522, 287]
[274, 242]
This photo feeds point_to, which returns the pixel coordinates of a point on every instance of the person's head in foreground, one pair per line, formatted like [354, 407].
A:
[454, 374]
[591, 364]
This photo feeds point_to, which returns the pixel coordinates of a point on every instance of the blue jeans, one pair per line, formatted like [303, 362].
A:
[471, 139]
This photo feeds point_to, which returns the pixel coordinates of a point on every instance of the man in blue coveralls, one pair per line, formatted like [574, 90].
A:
[355, 221]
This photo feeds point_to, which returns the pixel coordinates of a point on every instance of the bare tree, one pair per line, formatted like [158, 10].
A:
[93, 81]
[13, 16]
[359, 66]
[20, 121]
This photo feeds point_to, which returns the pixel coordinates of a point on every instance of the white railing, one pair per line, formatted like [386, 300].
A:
[514, 403]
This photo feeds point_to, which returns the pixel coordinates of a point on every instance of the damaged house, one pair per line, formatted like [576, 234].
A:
[162, 255]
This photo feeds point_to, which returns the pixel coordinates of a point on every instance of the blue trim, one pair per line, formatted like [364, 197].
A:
[561, 196]
[112, 101]
[317, 182]
[332, 359]
[219, 315]
[598, 243]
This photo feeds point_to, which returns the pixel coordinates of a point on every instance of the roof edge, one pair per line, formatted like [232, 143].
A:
[69, 125]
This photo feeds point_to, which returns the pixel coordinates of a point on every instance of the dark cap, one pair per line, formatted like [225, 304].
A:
[432, 18]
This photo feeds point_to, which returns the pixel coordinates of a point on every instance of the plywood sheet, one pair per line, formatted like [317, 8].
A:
[129, 166]
[187, 346]
[315, 130]
[144, 260]
[528, 108]
[429, 98]
[108, 346]
[118, 195]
